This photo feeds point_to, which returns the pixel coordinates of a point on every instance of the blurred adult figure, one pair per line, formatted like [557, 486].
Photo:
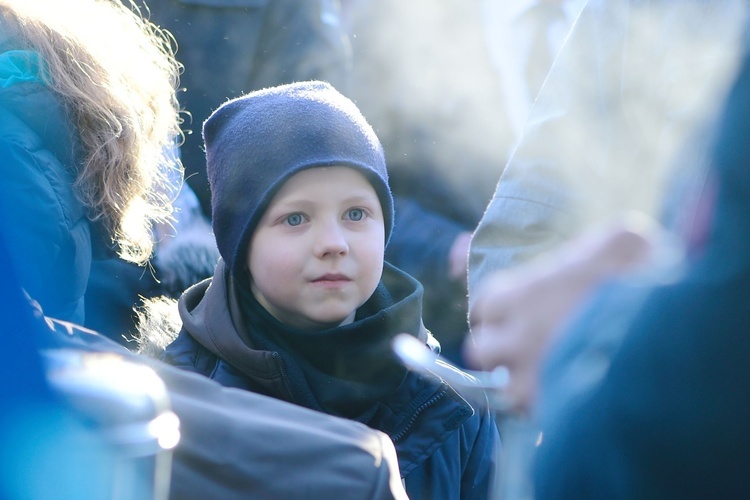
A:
[651, 404]
[84, 118]
[668, 415]
[621, 123]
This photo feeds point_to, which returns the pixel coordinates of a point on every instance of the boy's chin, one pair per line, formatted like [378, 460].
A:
[324, 323]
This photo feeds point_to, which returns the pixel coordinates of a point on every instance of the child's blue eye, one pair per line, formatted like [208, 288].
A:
[294, 219]
[356, 214]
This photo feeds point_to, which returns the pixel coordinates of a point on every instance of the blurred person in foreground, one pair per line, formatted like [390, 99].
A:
[643, 389]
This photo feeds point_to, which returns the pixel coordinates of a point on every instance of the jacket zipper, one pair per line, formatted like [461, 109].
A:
[430, 402]
[284, 377]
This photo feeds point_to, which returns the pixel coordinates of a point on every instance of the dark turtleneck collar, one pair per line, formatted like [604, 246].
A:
[347, 369]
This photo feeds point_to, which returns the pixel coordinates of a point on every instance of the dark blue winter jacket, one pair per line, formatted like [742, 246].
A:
[445, 447]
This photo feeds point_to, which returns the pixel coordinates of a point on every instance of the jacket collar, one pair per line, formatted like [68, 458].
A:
[209, 311]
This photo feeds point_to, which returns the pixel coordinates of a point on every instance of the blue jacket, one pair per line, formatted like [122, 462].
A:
[446, 449]
[50, 235]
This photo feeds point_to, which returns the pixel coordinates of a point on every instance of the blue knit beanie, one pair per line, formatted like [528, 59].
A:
[256, 142]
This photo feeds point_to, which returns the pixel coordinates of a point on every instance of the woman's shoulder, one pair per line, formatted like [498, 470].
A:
[33, 118]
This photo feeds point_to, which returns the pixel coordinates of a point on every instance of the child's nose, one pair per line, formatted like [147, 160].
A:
[330, 239]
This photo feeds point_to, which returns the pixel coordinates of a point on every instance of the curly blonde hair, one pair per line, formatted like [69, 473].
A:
[117, 74]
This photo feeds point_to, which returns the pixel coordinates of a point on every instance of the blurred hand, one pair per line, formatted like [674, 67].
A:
[518, 312]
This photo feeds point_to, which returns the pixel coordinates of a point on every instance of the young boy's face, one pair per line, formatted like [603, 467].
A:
[317, 253]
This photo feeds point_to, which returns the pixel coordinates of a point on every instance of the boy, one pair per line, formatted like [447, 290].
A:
[301, 306]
